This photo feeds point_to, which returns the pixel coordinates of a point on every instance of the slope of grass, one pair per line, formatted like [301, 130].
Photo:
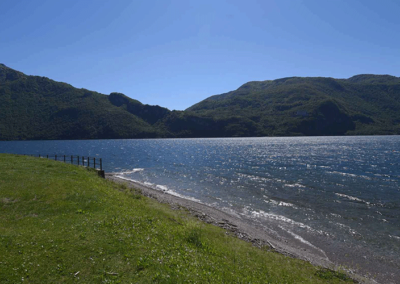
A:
[62, 223]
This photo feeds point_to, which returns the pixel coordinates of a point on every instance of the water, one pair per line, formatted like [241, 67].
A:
[335, 195]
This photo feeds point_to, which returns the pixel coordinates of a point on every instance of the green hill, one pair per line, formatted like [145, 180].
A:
[35, 107]
[363, 104]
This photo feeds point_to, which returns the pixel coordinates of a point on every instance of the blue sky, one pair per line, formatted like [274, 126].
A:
[177, 53]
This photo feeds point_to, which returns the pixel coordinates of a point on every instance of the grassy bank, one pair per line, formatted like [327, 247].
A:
[62, 223]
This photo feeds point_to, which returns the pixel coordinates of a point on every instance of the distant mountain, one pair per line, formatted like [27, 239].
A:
[363, 104]
[33, 107]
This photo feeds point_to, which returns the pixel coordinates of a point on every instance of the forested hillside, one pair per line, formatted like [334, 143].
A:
[363, 104]
[33, 107]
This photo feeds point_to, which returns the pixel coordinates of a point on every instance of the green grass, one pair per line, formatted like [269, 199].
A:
[63, 224]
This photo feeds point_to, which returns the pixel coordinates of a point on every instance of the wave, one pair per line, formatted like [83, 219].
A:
[297, 237]
[394, 237]
[352, 198]
[132, 171]
[352, 232]
[349, 175]
[263, 214]
[280, 203]
[294, 185]
[254, 177]
[160, 187]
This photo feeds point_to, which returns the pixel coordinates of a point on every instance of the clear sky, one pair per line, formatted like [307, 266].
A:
[177, 53]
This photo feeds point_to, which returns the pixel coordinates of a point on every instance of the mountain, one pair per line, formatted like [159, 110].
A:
[363, 104]
[33, 107]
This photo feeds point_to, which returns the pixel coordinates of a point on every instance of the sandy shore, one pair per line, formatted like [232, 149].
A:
[240, 227]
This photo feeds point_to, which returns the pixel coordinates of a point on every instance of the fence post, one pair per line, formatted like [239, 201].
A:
[72, 160]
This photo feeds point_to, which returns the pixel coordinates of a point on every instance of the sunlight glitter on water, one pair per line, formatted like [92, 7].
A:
[344, 188]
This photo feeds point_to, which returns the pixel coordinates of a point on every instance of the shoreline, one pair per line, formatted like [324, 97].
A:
[240, 228]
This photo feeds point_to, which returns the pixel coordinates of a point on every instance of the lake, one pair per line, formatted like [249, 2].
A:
[335, 195]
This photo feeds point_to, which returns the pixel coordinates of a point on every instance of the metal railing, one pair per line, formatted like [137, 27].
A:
[90, 162]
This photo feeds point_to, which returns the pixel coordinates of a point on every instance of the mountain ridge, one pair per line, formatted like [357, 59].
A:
[34, 107]
[367, 104]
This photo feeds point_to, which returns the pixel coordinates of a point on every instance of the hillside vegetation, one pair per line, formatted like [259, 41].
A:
[61, 223]
[363, 104]
[35, 107]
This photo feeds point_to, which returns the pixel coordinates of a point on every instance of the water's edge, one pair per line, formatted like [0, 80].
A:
[337, 197]
[242, 228]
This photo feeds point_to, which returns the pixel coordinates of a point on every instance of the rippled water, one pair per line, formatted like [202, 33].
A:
[327, 192]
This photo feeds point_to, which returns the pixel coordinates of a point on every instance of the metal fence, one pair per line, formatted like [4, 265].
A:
[89, 162]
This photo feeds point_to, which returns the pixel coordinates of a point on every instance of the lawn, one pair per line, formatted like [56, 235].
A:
[61, 223]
